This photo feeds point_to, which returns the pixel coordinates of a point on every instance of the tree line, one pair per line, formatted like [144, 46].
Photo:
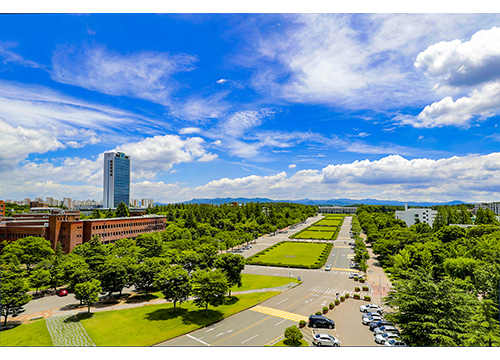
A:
[446, 278]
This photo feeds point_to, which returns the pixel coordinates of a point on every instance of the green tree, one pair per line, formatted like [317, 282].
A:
[483, 329]
[109, 214]
[30, 250]
[429, 312]
[151, 243]
[174, 283]
[88, 292]
[294, 335]
[209, 288]
[93, 252]
[114, 276]
[96, 214]
[144, 277]
[232, 265]
[485, 216]
[122, 210]
[14, 293]
[39, 278]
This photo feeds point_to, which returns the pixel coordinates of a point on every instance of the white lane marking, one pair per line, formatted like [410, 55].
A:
[192, 337]
[229, 331]
[280, 322]
[222, 333]
[282, 301]
[250, 339]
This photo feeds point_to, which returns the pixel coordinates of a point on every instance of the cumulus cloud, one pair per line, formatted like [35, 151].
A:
[292, 166]
[480, 104]
[189, 130]
[144, 75]
[464, 63]
[221, 81]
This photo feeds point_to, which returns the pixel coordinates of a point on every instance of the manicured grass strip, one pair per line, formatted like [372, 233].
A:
[328, 222]
[251, 282]
[286, 342]
[322, 228]
[148, 325]
[324, 233]
[30, 334]
[290, 253]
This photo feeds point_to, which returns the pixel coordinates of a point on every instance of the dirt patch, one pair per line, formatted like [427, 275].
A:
[289, 255]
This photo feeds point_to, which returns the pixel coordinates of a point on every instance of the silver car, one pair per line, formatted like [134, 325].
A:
[328, 268]
[395, 342]
[325, 340]
[370, 308]
[368, 320]
[382, 338]
[386, 328]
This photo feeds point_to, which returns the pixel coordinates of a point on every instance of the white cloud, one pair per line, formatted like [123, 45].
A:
[292, 166]
[11, 56]
[221, 81]
[464, 63]
[208, 157]
[189, 130]
[240, 122]
[143, 75]
[198, 109]
[479, 104]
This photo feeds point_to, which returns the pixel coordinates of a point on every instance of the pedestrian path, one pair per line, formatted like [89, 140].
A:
[333, 291]
[279, 313]
[66, 330]
[321, 270]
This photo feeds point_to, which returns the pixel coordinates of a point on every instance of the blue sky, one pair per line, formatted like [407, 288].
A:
[285, 106]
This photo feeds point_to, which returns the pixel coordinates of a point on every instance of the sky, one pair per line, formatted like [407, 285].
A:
[285, 106]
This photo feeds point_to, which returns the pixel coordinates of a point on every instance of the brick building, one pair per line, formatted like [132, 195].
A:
[2, 209]
[67, 228]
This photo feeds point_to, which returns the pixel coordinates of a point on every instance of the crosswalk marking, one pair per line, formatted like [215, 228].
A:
[279, 313]
[333, 291]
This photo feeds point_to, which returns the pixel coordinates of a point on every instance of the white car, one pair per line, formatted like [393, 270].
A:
[353, 275]
[328, 268]
[370, 308]
[395, 342]
[325, 340]
[382, 338]
[368, 320]
[386, 328]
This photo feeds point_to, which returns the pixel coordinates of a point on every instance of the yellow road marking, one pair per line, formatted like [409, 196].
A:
[336, 258]
[279, 313]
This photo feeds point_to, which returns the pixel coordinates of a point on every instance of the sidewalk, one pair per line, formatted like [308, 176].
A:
[376, 277]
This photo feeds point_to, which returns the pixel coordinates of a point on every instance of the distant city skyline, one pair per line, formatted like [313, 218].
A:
[283, 106]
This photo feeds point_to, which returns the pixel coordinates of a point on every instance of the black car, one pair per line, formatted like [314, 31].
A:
[376, 324]
[321, 321]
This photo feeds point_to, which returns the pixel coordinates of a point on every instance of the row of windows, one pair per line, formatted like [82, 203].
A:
[128, 232]
[123, 225]
[20, 236]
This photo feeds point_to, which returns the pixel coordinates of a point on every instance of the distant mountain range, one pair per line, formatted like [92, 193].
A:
[342, 202]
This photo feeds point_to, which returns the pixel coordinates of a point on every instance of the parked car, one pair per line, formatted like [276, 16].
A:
[377, 324]
[353, 275]
[371, 308]
[321, 321]
[374, 313]
[325, 340]
[382, 338]
[328, 268]
[385, 329]
[354, 265]
[395, 342]
[62, 292]
[368, 320]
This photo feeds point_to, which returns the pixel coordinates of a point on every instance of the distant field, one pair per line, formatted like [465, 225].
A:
[329, 222]
[290, 254]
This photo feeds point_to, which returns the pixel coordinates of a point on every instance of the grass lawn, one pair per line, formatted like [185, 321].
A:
[251, 282]
[286, 342]
[322, 228]
[148, 325]
[329, 222]
[31, 334]
[292, 253]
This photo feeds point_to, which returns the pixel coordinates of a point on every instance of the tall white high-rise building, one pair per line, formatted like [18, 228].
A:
[116, 179]
[148, 203]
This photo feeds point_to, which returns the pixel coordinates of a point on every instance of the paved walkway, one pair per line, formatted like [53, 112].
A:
[66, 330]
[376, 277]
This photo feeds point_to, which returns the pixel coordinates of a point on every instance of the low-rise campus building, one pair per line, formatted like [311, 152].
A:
[337, 209]
[410, 216]
[67, 228]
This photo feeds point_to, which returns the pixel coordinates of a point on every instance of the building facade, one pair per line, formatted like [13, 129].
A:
[337, 209]
[2, 209]
[67, 228]
[148, 203]
[410, 216]
[116, 187]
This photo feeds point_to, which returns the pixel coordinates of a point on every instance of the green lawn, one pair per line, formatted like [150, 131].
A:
[291, 253]
[148, 325]
[31, 334]
[286, 342]
[329, 222]
[321, 228]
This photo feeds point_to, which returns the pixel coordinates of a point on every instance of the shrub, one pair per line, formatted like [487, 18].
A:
[318, 312]
[368, 298]
[332, 305]
[342, 298]
[293, 334]
[325, 309]
[365, 288]
[337, 302]
[362, 280]
[356, 296]
[347, 295]
[355, 279]
[302, 323]
[356, 288]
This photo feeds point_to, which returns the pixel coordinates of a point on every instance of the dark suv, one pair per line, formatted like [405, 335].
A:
[321, 321]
